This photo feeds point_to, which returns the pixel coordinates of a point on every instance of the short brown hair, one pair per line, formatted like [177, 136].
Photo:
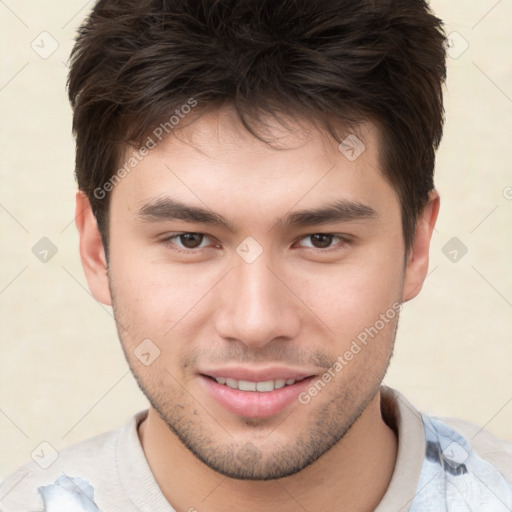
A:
[334, 62]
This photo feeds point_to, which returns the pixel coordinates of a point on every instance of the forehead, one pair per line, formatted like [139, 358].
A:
[215, 162]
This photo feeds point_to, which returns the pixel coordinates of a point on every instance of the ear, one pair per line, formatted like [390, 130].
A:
[417, 259]
[92, 251]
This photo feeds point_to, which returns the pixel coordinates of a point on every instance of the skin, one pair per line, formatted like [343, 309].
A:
[296, 306]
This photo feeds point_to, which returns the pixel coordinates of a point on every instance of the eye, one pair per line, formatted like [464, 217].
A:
[323, 241]
[186, 242]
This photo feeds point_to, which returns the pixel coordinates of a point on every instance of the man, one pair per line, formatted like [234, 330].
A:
[256, 202]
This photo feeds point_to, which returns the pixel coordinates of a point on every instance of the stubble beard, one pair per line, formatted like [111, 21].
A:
[200, 432]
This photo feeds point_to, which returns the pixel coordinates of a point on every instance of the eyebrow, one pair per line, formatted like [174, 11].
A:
[165, 209]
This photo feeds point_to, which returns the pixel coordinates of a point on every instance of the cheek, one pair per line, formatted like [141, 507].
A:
[351, 296]
[154, 298]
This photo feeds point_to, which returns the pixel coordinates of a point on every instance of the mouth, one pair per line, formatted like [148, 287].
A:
[255, 396]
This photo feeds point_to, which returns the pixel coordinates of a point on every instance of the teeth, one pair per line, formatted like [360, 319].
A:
[281, 383]
[232, 383]
[245, 385]
[265, 386]
[262, 387]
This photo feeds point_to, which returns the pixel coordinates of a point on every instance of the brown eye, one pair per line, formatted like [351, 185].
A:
[324, 242]
[187, 243]
[321, 240]
[191, 240]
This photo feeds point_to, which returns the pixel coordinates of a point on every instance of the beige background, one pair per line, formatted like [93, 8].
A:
[62, 373]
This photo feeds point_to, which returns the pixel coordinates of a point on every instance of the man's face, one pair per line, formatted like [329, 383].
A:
[261, 300]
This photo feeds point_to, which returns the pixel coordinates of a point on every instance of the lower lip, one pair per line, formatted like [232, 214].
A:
[253, 404]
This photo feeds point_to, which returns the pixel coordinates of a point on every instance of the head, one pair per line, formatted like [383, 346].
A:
[294, 142]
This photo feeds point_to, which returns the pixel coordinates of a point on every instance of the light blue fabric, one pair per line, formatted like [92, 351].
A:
[69, 495]
[454, 479]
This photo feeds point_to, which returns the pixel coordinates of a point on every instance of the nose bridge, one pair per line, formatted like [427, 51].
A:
[256, 307]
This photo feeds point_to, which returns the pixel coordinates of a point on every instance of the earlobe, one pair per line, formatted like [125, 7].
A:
[92, 252]
[418, 257]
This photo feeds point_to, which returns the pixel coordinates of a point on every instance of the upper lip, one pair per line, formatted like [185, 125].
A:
[258, 375]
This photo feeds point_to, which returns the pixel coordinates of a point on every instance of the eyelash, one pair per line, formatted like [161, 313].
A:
[168, 242]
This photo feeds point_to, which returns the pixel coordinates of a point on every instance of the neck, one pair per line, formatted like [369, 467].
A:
[353, 475]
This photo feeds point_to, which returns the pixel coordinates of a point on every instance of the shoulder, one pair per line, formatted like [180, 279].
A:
[445, 430]
[456, 462]
[85, 469]
[89, 460]
[488, 447]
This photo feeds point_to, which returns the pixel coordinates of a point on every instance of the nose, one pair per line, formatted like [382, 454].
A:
[256, 305]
